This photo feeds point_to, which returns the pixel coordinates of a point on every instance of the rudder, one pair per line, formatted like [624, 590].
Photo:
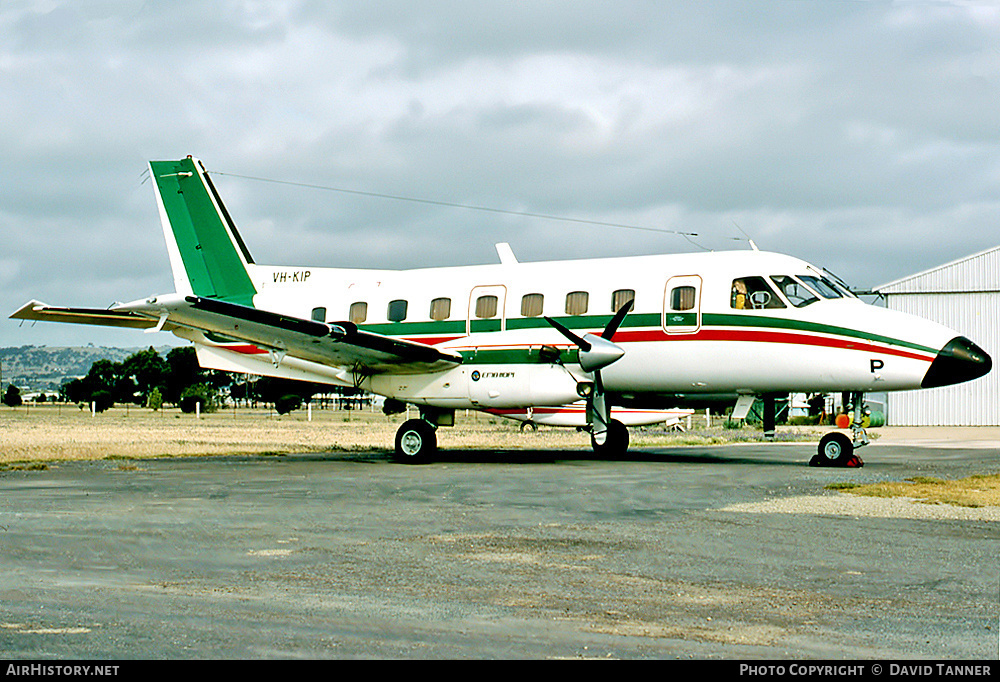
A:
[207, 254]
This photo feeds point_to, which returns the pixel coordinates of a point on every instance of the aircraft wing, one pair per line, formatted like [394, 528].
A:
[338, 344]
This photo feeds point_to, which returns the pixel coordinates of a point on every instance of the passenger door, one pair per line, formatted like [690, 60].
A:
[682, 305]
[487, 309]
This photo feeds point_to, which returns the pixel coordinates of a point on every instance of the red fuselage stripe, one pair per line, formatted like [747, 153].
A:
[657, 335]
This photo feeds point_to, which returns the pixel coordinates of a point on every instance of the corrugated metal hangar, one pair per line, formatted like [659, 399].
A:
[964, 295]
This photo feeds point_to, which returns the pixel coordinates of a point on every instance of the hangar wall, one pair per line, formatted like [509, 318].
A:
[964, 295]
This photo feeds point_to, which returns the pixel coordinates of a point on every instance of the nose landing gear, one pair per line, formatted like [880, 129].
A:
[836, 449]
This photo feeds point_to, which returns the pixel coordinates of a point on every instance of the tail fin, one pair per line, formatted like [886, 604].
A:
[207, 254]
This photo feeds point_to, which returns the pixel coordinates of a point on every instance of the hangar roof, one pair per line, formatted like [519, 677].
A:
[976, 273]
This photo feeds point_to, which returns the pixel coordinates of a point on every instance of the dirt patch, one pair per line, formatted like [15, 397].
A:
[876, 507]
[974, 491]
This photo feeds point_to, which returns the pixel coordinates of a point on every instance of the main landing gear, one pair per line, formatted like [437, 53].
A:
[416, 442]
[416, 439]
[836, 449]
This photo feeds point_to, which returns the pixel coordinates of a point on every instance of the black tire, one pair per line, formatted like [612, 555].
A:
[616, 443]
[835, 450]
[416, 442]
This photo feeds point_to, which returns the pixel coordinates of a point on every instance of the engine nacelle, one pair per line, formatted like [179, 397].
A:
[481, 386]
[520, 385]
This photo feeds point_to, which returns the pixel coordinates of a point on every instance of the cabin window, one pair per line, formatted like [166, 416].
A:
[796, 293]
[683, 298]
[440, 308]
[753, 293]
[531, 305]
[577, 303]
[620, 298]
[319, 314]
[821, 286]
[359, 312]
[486, 307]
[397, 310]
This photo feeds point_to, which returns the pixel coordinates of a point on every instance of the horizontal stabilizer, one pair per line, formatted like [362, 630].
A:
[38, 311]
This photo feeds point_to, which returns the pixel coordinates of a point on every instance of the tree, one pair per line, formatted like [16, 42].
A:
[105, 378]
[182, 371]
[75, 391]
[12, 397]
[198, 394]
[103, 400]
[287, 403]
[238, 391]
[143, 372]
[145, 378]
[102, 384]
[271, 389]
[155, 400]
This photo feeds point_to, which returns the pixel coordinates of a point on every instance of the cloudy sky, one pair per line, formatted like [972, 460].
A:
[861, 136]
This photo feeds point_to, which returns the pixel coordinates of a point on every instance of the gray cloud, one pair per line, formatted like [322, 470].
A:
[859, 135]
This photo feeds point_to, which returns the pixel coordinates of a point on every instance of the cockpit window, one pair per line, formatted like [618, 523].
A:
[821, 286]
[796, 293]
[753, 293]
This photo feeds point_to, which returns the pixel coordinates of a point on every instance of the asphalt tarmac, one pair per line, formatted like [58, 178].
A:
[672, 553]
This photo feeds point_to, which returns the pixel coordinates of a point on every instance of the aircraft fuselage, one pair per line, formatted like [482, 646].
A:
[703, 326]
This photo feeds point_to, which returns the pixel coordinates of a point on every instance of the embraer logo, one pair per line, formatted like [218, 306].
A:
[477, 375]
[294, 276]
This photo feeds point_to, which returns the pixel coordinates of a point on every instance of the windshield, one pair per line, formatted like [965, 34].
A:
[821, 286]
[796, 293]
[839, 283]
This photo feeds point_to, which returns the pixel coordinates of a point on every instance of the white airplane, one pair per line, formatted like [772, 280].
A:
[649, 332]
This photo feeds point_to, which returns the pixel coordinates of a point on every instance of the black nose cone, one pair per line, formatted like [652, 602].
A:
[960, 360]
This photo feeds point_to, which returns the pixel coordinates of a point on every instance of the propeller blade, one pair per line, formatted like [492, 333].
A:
[581, 343]
[599, 414]
[617, 320]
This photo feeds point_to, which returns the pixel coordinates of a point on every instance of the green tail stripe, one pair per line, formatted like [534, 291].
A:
[214, 267]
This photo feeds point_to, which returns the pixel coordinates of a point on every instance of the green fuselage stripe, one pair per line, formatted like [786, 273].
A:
[783, 324]
[634, 321]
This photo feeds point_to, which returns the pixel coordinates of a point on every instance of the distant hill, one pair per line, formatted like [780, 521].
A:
[49, 367]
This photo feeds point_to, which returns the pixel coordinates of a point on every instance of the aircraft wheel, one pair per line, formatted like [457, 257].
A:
[416, 442]
[528, 426]
[616, 444]
[835, 450]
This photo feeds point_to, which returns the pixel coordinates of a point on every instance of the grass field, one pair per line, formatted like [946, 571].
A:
[64, 432]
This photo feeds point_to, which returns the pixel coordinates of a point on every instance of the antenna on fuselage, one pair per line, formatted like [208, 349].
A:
[752, 245]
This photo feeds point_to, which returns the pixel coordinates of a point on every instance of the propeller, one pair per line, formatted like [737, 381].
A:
[596, 353]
